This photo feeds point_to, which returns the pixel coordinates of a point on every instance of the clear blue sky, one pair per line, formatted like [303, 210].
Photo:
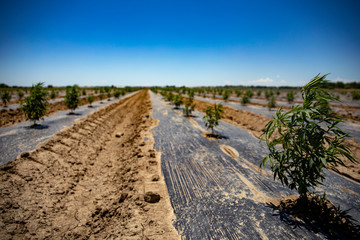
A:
[190, 43]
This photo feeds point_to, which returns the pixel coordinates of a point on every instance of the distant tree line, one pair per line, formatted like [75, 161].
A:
[328, 85]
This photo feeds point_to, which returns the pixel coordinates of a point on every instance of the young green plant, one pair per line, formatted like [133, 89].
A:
[305, 140]
[35, 105]
[72, 98]
[212, 117]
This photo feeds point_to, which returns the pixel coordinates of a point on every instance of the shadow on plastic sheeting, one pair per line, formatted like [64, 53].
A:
[37, 126]
[73, 114]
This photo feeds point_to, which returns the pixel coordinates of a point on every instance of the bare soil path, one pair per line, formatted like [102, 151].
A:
[216, 188]
[90, 181]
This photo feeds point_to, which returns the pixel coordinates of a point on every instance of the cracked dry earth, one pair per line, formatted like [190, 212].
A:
[90, 181]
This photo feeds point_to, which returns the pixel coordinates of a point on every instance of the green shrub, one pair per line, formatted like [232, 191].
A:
[20, 94]
[245, 99]
[355, 95]
[5, 97]
[249, 93]
[226, 95]
[271, 103]
[305, 140]
[177, 100]
[72, 98]
[52, 94]
[189, 106]
[90, 99]
[268, 94]
[290, 96]
[101, 96]
[35, 105]
[212, 117]
[169, 96]
[117, 93]
[123, 91]
[84, 92]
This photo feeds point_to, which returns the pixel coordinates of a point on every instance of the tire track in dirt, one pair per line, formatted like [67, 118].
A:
[89, 181]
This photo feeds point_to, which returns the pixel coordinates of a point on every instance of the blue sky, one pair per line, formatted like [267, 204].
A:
[190, 43]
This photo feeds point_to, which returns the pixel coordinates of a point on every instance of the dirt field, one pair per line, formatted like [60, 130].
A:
[9, 117]
[255, 124]
[98, 179]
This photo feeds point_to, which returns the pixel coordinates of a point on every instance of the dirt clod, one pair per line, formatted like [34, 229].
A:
[25, 155]
[152, 197]
[155, 178]
[118, 135]
[123, 197]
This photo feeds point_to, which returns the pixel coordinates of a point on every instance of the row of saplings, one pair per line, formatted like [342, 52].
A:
[35, 105]
[6, 95]
[212, 117]
[302, 143]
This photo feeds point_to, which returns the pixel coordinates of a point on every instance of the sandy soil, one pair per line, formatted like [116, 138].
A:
[9, 117]
[255, 124]
[99, 179]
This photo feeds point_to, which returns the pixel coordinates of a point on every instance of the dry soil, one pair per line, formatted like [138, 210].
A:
[99, 179]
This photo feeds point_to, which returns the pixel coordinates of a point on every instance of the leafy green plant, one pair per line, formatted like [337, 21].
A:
[226, 95]
[72, 98]
[169, 96]
[123, 91]
[188, 108]
[20, 94]
[249, 93]
[290, 96]
[355, 95]
[245, 99]
[305, 140]
[177, 100]
[35, 105]
[212, 117]
[268, 94]
[237, 92]
[188, 105]
[101, 96]
[271, 103]
[117, 93]
[83, 92]
[90, 98]
[5, 97]
[52, 94]
[258, 93]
